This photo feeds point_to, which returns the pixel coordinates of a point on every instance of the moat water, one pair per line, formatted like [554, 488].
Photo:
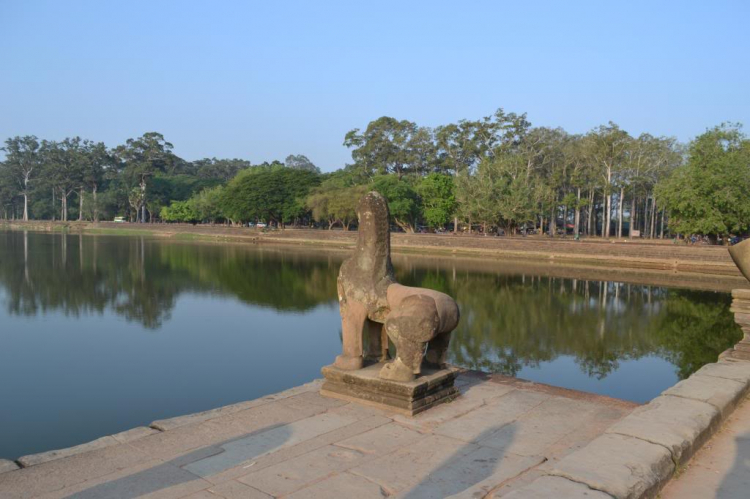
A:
[100, 334]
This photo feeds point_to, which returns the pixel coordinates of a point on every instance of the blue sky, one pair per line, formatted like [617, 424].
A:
[261, 80]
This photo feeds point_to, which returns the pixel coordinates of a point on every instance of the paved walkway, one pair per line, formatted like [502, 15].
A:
[499, 436]
[721, 469]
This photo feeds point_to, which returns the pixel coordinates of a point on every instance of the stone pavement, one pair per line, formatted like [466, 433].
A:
[501, 435]
[721, 469]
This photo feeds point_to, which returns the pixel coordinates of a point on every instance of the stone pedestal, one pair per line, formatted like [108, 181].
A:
[741, 309]
[430, 388]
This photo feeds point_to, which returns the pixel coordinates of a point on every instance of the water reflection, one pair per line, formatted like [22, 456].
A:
[509, 321]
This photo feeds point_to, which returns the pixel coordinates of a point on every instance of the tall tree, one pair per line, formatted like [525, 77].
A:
[300, 162]
[21, 162]
[709, 194]
[143, 158]
[383, 147]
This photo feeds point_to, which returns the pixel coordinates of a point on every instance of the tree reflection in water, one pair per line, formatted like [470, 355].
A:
[509, 321]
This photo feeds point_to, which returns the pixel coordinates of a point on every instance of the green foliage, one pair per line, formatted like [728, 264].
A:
[437, 192]
[709, 195]
[207, 204]
[403, 201]
[270, 194]
[180, 211]
[335, 201]
[300, 162]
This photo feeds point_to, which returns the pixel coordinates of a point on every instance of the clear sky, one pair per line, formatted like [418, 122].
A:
[261, 80]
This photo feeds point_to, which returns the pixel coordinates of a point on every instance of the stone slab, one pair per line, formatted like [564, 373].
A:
[236, 490]
[45, 457]
[471, 397]
[381, 440]
[134, 434]
[722, 393]
[407, 466]
[486, 420]
[541, 427]
[721, 469]
[55, 475]
[623, 467]
[736, 370]
[553, 487]
[472, 475]
[287, 453]
[6, 466]
[341, 485]
[431, 388]
[150, 479]
[252, 447]
[679, 424]
[290, 476]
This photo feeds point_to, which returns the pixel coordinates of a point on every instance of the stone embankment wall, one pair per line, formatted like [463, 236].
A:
[638, 455]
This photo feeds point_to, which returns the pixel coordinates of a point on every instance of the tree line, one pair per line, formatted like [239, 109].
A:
[497, 174]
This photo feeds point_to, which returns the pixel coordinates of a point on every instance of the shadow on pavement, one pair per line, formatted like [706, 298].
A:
[192, 466]
[465, 468]
[736, 484]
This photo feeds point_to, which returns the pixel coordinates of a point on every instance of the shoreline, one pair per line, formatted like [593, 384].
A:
[657, 262]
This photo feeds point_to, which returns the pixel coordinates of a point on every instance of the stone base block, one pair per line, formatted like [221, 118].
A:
[432, 387]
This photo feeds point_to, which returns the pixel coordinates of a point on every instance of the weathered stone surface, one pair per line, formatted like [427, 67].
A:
[409, 398]
[553, 487]
[471, 396]
[738, 371]
[409, 465]
[134, 434]
[623, 467]
[199, 417]
[722, 393]
[441, 467]
[236, 490]
[148, 479]
[341, 485]
[679, 424]
[382, 440]
[304, 444]
[541, 427]
[289, 476]
[60, 473]
[44, 457]
[287, 453]
[243, 450]
[202, 494]
[740, 253]
[722, 467]
[173, 443]
[6, 466]
[482, 422]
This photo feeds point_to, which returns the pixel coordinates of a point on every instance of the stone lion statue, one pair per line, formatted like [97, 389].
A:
[374, 307]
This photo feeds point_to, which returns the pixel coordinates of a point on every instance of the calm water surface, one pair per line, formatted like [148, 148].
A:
[99, 334]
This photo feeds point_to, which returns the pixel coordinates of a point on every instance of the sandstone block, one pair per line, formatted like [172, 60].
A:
[6, 466]
[679, 424]
[44, 457]
[548, 487]
[623, 467]
[722, 393]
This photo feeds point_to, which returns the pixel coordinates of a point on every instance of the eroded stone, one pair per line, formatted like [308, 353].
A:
[722, 393]
[6, 466]
[548, 487]
[622, 466]
[679, 424]
[44, 457]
